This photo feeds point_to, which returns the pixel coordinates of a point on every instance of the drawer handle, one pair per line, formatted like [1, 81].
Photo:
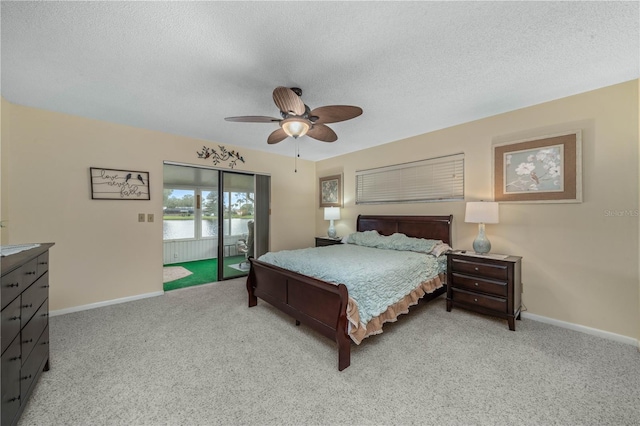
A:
[14, 285]
[15, 358]
[476, 284]
[31, 273]
[43, 263]
[45, 315]
[45, 286]
[28, 341]
[14, 318]
[475, 300]
[25, 377]
[16, 398]
[28, 306]
[476, 268]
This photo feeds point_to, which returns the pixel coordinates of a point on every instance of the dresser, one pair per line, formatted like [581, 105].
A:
[25, 327]
[486, 285]
[326, 241]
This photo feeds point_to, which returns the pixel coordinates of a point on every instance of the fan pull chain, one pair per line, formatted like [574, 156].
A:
[296, 156]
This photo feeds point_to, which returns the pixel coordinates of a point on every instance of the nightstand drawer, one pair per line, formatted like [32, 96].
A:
[480, 269]
[497, 288]
[497, 304]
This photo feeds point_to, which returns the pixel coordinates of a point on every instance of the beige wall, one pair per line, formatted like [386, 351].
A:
[102, 252]
[579, 265]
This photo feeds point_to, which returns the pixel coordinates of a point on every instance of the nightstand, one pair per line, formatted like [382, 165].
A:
[485, 284]
[326, 241]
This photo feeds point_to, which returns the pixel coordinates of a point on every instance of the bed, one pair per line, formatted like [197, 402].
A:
[323, 306]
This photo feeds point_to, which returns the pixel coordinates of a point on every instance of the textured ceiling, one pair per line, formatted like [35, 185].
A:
[413, 67]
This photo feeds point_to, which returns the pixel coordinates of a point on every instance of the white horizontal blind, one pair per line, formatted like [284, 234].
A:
[435, 179]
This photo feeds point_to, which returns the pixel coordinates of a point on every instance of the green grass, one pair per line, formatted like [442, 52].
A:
[204, 271]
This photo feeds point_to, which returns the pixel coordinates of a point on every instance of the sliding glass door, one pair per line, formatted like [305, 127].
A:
[237, 225]
[217, 216]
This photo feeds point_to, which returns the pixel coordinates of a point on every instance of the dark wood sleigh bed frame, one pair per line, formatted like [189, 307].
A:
[321, 305]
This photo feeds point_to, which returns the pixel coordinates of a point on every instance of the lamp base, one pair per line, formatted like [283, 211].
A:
[481, 244]
[331, 232]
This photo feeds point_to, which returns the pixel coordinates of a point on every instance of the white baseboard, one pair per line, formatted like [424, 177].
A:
[588, 330]
[105, 303]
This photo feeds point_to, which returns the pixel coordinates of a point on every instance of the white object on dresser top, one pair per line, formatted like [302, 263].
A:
[16, 248]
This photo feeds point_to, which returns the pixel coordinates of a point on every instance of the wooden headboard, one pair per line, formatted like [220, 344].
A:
[431, 227]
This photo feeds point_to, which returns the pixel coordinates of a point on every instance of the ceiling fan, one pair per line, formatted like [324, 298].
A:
[299, 120]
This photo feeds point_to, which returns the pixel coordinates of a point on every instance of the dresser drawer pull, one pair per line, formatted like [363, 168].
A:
[14, 285]
[28, 341]
[25, 377]
[31, 273]
[45, 286]
[475, 300]
[476, 268]
[43, 263]
[45, 315]
[476, 284]
[14, 318]
[16, 398]
[27, 306]
[15, 358]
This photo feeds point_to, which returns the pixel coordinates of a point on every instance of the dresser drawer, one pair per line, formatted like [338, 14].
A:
[10, 382]
[497, 288]
[30, 272]
[32, 331]
[34, 362]
[33, 297]
[475, 299]
[10, 323]
[480, 269]
[43, 264]
[12, 286]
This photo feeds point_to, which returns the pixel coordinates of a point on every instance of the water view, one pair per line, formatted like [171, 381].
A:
[180, 229]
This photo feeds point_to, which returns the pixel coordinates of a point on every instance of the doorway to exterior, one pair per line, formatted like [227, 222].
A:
[209, 224]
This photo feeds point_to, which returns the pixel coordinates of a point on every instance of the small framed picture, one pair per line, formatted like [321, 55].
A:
[331, 191]
[114, 184]
[541, 170]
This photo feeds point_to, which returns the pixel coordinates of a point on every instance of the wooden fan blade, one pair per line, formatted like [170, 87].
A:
[322, 133]
[277, 136]
[335, 113]
[254, 119]
[287, 101]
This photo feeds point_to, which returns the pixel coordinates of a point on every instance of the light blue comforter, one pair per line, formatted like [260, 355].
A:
[376, 278]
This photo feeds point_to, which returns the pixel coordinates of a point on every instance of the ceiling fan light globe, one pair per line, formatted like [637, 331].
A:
[295, 127]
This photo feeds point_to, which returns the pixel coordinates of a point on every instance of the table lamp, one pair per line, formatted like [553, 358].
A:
[481, 212]
[331, 214]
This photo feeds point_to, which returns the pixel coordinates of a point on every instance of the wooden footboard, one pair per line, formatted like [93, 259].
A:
[318, 304]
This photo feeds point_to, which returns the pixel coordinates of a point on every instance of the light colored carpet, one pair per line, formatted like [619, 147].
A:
[200, 356]
[172, 273]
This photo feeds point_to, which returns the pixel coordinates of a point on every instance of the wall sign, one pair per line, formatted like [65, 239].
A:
[114, 184]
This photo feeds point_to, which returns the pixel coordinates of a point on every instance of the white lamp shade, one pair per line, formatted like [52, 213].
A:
[481, 212]
[295, 127]
[331, 213]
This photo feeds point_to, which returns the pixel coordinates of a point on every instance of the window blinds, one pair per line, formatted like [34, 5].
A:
[434, 179]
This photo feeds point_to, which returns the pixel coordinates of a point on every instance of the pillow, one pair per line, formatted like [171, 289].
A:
[396, 241]
[440, 249]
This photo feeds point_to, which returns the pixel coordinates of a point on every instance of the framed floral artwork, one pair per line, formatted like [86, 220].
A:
[331, 191]
[541, 170]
